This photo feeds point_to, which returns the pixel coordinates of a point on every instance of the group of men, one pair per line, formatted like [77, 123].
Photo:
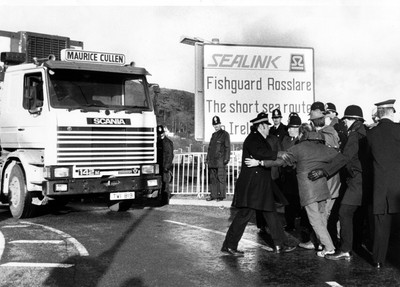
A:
[366, 157]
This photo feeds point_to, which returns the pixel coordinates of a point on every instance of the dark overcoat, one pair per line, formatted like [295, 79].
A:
[219, 149]
[354, 158]
[165, 154]
[255, 188]
[279, 132]
[384, 144]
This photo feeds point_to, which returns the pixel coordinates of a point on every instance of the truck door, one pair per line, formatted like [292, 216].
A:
[31, 123]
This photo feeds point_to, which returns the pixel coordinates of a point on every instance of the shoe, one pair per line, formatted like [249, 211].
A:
[209, 198]
[378, 265]
[339, 255]
[284, 249]
[307, 245]
[325, 253]
[220, 199]
[233, 252]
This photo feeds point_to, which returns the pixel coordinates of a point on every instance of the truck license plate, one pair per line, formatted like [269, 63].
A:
[122, 195]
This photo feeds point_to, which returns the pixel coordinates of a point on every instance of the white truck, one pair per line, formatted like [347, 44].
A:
[73, 124]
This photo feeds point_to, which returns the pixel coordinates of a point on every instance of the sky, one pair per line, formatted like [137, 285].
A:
[356, 43]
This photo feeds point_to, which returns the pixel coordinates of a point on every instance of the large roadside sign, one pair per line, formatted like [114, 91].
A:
[237, 82]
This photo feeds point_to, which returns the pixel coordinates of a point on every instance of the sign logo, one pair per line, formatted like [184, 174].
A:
[105, 121]
[297, 63]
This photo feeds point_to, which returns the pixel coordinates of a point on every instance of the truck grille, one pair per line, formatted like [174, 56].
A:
[42, 46]
[105, 148]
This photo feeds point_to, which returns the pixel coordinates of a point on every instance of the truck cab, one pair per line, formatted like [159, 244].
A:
[76, 127]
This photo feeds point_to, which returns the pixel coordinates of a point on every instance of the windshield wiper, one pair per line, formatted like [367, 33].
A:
[84, 109]
[128, 109]
[95, 105]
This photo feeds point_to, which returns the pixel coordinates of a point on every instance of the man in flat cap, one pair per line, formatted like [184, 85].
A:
[338, 124]
[218, 155]
[254, 191]
[384, 144]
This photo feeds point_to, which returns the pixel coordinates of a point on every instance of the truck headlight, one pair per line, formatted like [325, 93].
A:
[61, 172]
[148, 169]
[57, 171]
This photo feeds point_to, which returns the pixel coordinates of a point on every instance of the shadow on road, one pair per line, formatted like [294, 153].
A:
[89, 271]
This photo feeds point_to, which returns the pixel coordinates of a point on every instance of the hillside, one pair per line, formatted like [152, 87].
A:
[175, 110]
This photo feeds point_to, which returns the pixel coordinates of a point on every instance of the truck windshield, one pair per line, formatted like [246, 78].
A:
[75, 89]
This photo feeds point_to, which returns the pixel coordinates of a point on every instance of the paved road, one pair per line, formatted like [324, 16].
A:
[175, 245]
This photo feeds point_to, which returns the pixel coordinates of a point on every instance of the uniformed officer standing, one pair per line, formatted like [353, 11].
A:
[165, 156]
[278, 129]
[218, 155]
[384, 144]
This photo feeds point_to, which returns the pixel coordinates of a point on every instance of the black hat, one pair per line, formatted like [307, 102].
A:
[276, 114]
[353, 112]
[293, 114]
[160, 129]
[386, 104]
[216, 120]
[294, 121]
[318, 106]
[261, 117]
[330, 107]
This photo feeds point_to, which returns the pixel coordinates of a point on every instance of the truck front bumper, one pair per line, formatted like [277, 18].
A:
[142, 186]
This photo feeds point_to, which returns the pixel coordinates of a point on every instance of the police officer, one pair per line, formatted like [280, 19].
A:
[278, 129]
[384, 144]
[254, 190]
[218, 155]
[165, 156]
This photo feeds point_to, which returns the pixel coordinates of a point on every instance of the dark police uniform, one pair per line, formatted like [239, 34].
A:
[254, 191]
[218, 156]
[384, 144]
[165, 156]
[281, 130]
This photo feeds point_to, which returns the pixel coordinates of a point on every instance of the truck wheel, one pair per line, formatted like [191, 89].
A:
[20, 200]
[122, 205]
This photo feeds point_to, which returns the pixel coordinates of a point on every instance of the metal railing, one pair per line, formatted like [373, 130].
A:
[190, 173]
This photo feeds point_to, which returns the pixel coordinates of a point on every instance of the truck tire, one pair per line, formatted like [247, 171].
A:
[20, 200]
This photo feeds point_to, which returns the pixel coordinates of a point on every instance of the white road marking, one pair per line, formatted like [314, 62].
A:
[36, 265]
[2, 244]
[38, 241]
[333, 284]
[81, 249]
[245, 242]
[66, 239]
[15, 226]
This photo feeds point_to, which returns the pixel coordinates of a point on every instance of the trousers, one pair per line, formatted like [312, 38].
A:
[239, 223]
[318, 218]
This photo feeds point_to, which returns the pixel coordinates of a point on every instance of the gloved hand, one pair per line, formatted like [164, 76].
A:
[226, 162]
[316, 174]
